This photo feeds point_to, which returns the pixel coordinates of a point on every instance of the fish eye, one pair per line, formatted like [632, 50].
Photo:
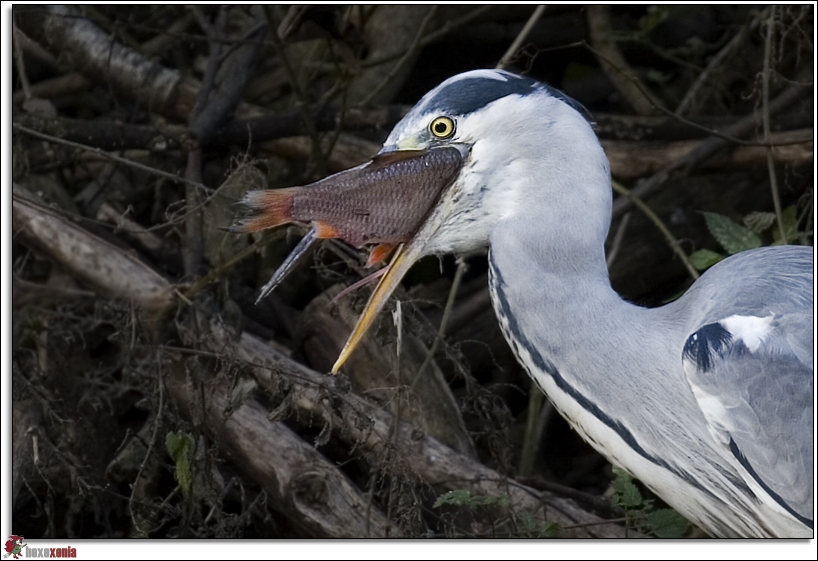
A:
[442, 127]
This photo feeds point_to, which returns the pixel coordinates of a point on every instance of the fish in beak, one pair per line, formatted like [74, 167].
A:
[388, 202]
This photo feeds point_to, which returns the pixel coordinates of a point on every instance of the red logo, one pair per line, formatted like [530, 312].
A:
[14, 546]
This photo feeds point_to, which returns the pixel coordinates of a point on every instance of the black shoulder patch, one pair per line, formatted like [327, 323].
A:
[702, 346]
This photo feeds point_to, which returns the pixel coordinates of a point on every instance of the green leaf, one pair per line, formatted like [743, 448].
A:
[549, 530]
[704, 258]
[492, 500]
[666, 523]
[759, 221]
[789, 219]
[462, 497]
[627, 495]
[655, 15]
[457, 497]
[733, 237]
[531, 527]
[180, 446]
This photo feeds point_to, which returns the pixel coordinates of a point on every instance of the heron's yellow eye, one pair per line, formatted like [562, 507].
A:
[442, 127]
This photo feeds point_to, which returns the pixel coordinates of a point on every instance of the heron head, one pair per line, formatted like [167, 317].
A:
[501, 124]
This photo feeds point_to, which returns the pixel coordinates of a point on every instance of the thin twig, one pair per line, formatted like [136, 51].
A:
[107, 155]
[18, 59]
[671, 240]
[433, 36]
[458, 277]
[176, 220]
[529, 25]
[715, 62]
[291, 21]
[214, 34]
[303, 105]
[707, 148]
[157, 423]
[193, 247]
[765, 113]
[448, 28]
[681, 119]
[617, 241]
[218, 272]
[413, 48]
[614, 64]
[530, 442]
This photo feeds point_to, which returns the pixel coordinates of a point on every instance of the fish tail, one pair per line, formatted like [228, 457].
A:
[264, 209]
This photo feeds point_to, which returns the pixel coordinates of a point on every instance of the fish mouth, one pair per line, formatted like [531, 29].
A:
[390, 202]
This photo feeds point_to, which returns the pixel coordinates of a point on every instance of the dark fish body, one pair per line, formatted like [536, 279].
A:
[381, 202]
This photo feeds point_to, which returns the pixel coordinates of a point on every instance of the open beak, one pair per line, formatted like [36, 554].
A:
[405, 256]
[389, 201]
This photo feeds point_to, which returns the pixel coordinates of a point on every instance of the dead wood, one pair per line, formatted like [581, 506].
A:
[631, 160]
[300, 482]
[95, 261]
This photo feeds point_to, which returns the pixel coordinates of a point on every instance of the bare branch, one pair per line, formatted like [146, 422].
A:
[88, 257]
[529, 25]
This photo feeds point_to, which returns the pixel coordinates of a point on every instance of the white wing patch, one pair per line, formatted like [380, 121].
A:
[714, 412]
[750, 330]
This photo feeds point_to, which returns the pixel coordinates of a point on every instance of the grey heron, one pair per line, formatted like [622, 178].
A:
[708, 400]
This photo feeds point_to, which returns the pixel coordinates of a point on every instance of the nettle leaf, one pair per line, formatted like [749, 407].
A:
[627, 494]
[180, 446]
[462, 497]
[759, 221]
[732, 236]
[457, 497]
[531, 527]
[666, 523]
[704, 258]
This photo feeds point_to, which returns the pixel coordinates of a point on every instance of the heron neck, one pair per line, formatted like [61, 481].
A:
[550, 261]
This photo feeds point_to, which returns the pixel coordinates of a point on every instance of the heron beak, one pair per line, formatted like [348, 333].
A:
[403, 259]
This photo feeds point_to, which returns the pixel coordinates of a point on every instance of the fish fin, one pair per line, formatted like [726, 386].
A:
[264, 209]
[325, 230]
[378, 253]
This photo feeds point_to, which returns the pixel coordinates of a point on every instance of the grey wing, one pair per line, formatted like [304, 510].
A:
[752, 377]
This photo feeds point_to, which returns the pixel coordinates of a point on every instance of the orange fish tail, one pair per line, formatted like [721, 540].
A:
[264, 209]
